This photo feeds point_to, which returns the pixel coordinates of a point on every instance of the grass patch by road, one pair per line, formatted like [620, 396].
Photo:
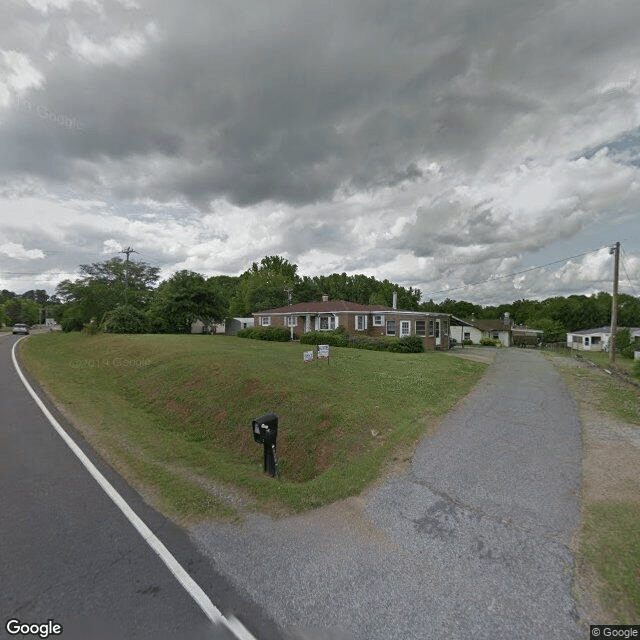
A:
[610, 533]
[602, 360]
[611, 543]
[172, 413]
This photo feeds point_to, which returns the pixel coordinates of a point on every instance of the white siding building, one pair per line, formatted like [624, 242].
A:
[595, 339]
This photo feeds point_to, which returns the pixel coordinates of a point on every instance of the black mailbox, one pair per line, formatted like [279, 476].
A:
[265, 432]
[265, 428]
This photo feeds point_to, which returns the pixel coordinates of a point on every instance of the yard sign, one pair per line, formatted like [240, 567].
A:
[323, 351]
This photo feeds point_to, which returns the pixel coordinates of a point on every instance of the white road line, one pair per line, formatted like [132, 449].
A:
[192, 588]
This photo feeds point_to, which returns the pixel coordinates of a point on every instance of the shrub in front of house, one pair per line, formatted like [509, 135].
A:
[339, 338]
[373, 343]
[409, 344]
[335, 338]
[489, 342]
[273, 334]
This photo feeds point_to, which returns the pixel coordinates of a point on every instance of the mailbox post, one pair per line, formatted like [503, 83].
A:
[265, 432]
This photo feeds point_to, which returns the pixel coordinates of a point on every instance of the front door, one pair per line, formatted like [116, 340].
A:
[438, 340]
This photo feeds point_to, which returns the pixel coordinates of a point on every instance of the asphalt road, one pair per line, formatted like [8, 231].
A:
[69, 555]
[472, 542]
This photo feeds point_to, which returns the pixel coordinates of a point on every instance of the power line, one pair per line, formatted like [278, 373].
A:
[627, 274]
[511, 275]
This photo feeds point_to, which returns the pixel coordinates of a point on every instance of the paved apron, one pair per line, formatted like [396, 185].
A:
[471, 542]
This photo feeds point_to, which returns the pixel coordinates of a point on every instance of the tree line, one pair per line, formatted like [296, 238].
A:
[120, 295]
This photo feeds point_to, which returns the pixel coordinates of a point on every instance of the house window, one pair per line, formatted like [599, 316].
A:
[595, 340]
[586, 341]
[290, 321]
[377, 321]
[361, 323]
[405, 328]
[265, 321]
[421, 329]
[327, 323]
[467, 335]
[391, 327]
[495, 335]
[431, 328]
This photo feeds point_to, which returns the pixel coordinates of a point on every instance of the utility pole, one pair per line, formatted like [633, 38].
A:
[128, 250]
[614, 303]
[288, 292]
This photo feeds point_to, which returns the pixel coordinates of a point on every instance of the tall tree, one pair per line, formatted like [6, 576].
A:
[265, 286]
[185, 298]
[101, 288]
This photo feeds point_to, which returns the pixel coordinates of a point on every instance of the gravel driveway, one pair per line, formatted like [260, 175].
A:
[471, 542]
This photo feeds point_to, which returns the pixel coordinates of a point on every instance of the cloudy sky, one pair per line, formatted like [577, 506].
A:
[441, 145]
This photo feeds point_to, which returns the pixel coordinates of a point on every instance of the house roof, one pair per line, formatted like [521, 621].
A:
[330, 306]
[334, 306]
[521, 328]
[459, 322]
[489, 325]
[586, 332]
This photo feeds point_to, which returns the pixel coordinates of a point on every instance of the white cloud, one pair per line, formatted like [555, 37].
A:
[119, 49]
[17, 75]
[18, 252]
[45, 6]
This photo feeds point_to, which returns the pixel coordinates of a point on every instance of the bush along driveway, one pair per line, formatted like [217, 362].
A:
[471, 540]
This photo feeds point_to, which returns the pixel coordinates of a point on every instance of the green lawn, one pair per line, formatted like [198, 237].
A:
[611, 543]
[172, 413]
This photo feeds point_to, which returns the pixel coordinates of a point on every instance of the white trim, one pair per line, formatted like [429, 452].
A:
[378, 320]
[332, 321]
[395, 327]
[265, 321]
[365, 322]
[407, 324]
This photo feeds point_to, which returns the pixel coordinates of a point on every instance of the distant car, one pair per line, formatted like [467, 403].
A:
[21, 328]
[452, 343]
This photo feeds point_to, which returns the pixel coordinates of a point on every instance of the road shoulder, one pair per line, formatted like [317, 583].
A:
[610, 481]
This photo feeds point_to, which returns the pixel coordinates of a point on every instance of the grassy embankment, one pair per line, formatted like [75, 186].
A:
[172, 413]
[602, 360]
[610, 535]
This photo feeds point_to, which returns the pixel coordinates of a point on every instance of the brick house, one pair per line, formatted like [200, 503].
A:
[372, 320]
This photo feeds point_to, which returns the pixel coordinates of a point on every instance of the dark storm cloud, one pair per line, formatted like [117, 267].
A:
[257, 101]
